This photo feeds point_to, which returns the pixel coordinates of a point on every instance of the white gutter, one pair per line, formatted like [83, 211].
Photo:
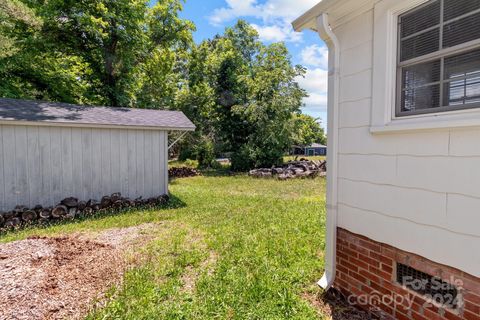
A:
[307, 20]
[331, 41]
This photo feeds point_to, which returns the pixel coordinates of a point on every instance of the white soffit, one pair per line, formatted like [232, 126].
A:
[338, 11]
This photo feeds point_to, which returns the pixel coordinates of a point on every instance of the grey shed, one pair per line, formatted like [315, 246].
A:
[49, 151]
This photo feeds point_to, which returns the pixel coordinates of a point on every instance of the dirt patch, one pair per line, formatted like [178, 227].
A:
[196, 241]
[126, 237]
[333, 305]
[191, 275]
[60, 278]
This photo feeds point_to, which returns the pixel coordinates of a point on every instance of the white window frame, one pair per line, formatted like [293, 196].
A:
[384, 91]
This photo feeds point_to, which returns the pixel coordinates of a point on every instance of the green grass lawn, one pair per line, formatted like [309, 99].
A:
[188, 163]
[236, 248]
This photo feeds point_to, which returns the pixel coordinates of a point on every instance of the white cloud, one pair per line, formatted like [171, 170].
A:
[277, 32]
[315, 80]
[315, 56]
[316, 101]
[287, 8]
[315, 83]
[276, 16]
[268, 10]
[235, 9]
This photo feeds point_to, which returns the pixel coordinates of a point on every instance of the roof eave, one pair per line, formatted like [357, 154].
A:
[339, 11]
[93, 125]
[307, 20]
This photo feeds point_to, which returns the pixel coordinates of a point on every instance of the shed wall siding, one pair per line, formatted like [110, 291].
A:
[417, 191]
[43, 165]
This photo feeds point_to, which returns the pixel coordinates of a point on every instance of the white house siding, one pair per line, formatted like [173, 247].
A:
[43, 165]
[418, 191]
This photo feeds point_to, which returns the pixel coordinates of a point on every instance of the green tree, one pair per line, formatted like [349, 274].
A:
[27, 65]
[118, 53]
[307, 130]
[243, 94]
[13, 12]
[34, 68]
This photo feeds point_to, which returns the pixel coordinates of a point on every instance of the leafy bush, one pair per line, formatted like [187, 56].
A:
[205, 152]
[241, 160]
[191, 163]
[186, 153]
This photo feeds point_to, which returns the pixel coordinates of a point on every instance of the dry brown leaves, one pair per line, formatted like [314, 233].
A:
[332, 305]
[61, 277]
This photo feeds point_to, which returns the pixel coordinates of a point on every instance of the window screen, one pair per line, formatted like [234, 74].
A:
[439, 57]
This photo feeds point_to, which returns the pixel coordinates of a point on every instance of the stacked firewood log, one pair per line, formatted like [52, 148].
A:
[293, 169]
[71, 208]
[182, 172]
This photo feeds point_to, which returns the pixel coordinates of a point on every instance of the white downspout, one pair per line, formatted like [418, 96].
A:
[331, 41]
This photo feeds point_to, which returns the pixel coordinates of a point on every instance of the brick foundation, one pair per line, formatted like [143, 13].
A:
[366, 275]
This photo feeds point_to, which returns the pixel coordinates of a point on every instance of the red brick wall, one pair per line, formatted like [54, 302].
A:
[366, 273]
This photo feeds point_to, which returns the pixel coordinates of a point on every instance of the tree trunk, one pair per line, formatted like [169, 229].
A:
[14, 222]
[59, 211]
[29, 215]
[70, 202]
[115, 197]
[81, 205]
[45, 213]
[105, 202]
[110, 50]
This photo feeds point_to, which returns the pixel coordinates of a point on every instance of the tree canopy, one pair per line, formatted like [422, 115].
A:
[241, 93]
[307, 130]
[95, 52]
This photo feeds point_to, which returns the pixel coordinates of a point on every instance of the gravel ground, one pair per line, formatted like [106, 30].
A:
[61, 277]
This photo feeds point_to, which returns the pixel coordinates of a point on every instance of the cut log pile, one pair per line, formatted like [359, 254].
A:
[182, 172]
[71, 208]
[303, 168]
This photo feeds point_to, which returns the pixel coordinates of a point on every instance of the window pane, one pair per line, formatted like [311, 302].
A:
[462, 65]
[456, 8]
[421, 74]
[450, 80]
[421, 98]
[462, 91]
[463, 73]
[420, 19]
[420, 45]
[461, 31]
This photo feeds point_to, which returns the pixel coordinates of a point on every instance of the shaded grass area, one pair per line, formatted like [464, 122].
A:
[290, 158]
[188, 163]
[266, 237]
[96, 222]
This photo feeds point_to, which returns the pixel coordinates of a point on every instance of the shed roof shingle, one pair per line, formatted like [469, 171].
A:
[64, 113]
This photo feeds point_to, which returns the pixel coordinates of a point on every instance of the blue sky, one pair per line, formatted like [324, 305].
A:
[272, 19]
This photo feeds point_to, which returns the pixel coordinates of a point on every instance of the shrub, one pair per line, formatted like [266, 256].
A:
[191, 163]
[205, 152]
[242, 160]
[186, 153]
